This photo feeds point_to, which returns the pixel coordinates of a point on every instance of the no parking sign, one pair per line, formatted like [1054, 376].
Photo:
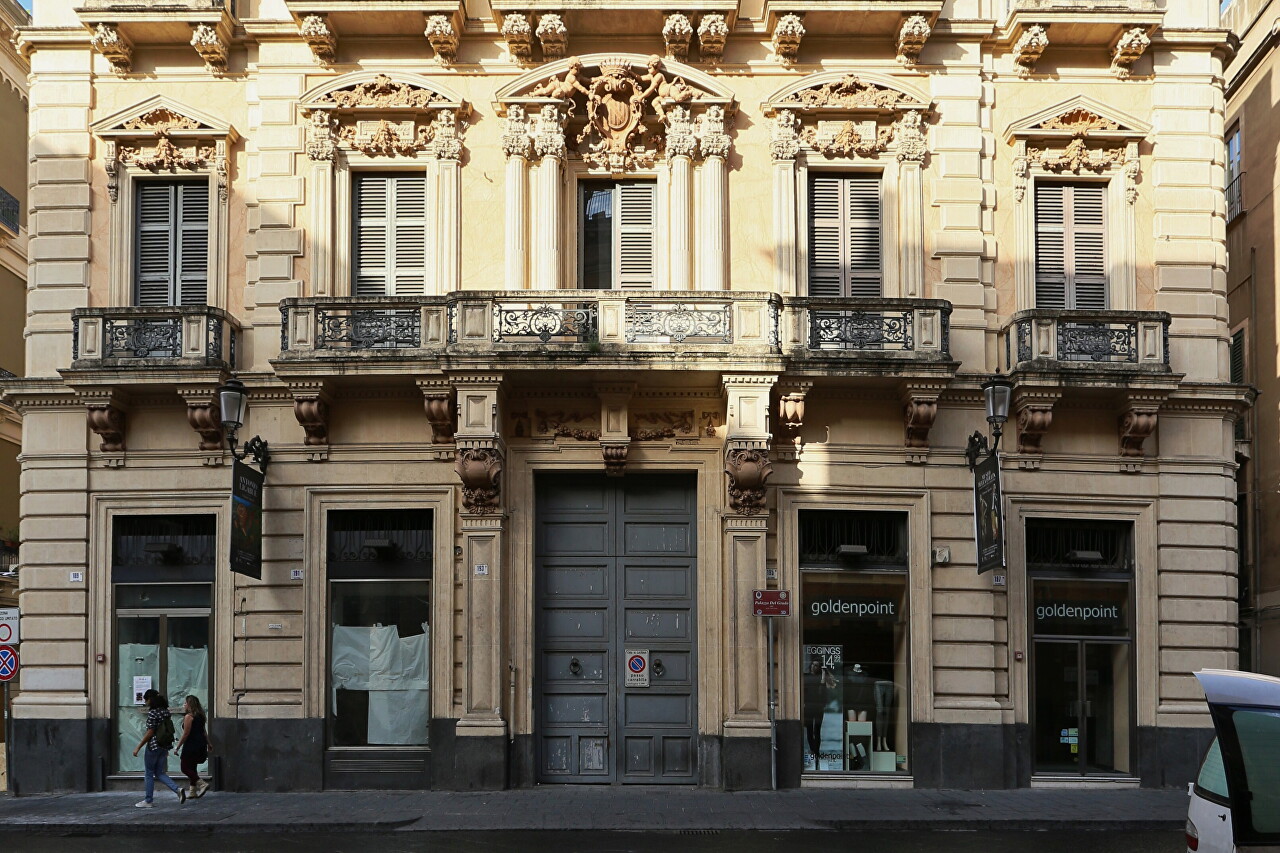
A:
[637, 667]
[8, 663]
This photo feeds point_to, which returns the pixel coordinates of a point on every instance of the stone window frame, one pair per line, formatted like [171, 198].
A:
[317, 502]
[797, 147]
[1141, 513]
[158, 139]
[915, 503]
[336, 156]
[1079, 141]
[100, 627]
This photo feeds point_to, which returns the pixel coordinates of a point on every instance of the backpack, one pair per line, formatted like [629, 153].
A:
[164, 734]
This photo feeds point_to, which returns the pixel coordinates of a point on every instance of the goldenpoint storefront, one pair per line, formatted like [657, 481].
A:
[855, 684]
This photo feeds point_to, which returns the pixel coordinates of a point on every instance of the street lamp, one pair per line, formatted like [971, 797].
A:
[234, 402]
[997, 392]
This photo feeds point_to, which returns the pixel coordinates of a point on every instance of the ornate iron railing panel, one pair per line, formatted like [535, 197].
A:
[1046, 337]
[570, 323]
[9, 218]
[1098, 342]
[861, 330]
[142, 338]
[358, 329]
[651, 323]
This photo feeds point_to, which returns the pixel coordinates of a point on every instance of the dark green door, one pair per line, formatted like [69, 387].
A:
[615, 572]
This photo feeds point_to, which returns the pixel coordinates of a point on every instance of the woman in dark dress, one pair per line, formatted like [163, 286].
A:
[194, 746]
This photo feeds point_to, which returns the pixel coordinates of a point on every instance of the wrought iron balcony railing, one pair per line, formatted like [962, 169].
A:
[170, 336]
[1235, 197]
[9, 214]
[1053, 339]
[895, 328]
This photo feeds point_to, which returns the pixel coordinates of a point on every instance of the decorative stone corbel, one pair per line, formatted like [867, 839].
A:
[443, 38]
[787, 34]
[1128, 48]
[749, 470]
[919, 411]
[615, 418]
[791, 399]
[553, 35]
[911, 38]
[115, 46]
[1034, 417]
[747, 453]
[210, 46]
[205, 418]
[311, 408]
[615, 456]
[519, 37]
[1028, 47]
[316, 33]
[480, 470]
[446, 143]
[107, 420]
[713, 32]
[677, 32]
[438, 402]
[1137, 422]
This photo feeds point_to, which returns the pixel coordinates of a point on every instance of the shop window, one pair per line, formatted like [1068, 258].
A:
[162, 571]
[1071, 262]
[617, 234]
[844, 235]
[379, 570]
[855, 676]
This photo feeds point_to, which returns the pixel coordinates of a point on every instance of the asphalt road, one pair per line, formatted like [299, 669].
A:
[696, 841]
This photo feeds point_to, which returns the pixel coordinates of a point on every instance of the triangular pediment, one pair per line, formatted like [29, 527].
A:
[376, 90]
[162, 116]
[1079, 116]
[836, 91]
[549, 79]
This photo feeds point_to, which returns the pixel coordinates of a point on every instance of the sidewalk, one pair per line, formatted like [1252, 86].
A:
[600, 808]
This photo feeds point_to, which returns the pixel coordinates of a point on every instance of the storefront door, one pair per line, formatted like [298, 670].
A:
[615, 583]
[1082, 707]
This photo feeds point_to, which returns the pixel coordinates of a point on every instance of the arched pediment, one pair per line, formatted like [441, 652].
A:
[846, 91]
[1080, 116]
[161, 115]
[705, 86]
[374, 90]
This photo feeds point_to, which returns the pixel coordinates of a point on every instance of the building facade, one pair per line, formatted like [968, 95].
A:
[1251, 242]
[570, 326]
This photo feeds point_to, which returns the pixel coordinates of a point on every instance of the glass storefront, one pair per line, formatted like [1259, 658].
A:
[855, 677]
[1082, 653]
[379, 567]
[162, 573]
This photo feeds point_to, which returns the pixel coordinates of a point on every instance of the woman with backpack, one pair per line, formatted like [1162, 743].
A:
[194, 746]
[158, 739]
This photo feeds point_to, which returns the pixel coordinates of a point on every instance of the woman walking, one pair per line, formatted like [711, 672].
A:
[195, 745]
[158, 740]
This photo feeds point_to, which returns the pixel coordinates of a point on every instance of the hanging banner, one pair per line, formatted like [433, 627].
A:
[246, 520]
[988, 514]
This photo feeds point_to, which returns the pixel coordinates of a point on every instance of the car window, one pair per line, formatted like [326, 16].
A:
[1213, 778]
[1259, 734]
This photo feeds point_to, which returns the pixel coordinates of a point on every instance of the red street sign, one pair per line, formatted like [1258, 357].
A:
[8, 663]
[771, 602]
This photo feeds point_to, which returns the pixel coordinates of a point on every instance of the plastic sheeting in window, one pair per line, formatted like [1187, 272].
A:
[396, 673]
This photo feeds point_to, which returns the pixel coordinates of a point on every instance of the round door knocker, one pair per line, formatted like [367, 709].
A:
[574, 666]
[658, 669]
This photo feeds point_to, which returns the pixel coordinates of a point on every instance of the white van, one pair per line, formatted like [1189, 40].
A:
[1235, 800]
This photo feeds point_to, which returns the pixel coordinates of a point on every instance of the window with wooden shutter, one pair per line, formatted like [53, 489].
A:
[390, 235]
[617, 234]
[1237, 358]
[1071, 258]
[171, 252]
[844, 235]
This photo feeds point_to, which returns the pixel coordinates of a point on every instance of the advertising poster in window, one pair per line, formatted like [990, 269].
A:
[988, 508]
[246, 520]
[822, 711]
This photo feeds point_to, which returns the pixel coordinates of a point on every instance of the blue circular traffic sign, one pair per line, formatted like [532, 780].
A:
[636, 664]
[8, 662]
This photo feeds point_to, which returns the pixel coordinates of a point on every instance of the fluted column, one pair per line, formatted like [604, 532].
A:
[911, 154]
[516, 143]
[682, 145]
[713, 219]
[549, 145]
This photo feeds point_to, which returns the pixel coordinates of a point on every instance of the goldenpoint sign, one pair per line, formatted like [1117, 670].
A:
[856, 608]
[1083, 612]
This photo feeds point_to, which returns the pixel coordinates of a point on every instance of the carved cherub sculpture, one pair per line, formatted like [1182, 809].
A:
[562, 89]
[677, 91]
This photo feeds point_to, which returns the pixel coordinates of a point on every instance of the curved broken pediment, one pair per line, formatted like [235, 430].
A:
[376, 90]
[833, 91]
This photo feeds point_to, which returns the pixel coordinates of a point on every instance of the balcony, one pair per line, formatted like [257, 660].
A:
[592, 329]
[159, 340]
[1235, 197]
[1091, 342]
[9, 214]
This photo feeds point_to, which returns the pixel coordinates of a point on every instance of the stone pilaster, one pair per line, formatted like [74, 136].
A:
[549, 146]
[516, 144]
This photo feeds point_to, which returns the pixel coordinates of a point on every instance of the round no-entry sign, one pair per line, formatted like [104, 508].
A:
[8, 663]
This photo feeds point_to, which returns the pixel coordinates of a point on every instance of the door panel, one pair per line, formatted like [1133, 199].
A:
[1057, 673]
[615, 571]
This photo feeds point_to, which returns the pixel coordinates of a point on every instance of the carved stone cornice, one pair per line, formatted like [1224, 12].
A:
[677, 33]
[912, 36]
[315, 31]
[713, 32]
[553, 35]
[211, 46]
[844, 115]
[1028, 48]
[480, 470]
[1128, 49]
[748, 469]
[442, 35]
[115, 46]
[518, 35]
[787, 34]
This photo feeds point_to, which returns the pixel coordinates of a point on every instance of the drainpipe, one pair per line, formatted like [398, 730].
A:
[1255, 535]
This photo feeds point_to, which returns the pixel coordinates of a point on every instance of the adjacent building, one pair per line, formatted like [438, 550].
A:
[1251, 138]
[572, 325]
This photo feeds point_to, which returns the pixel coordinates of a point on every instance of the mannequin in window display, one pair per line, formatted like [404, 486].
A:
[884, 696]
[817, 681]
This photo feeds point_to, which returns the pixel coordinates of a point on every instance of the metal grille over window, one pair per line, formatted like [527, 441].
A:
[1087, 546]
[1071, 264]
[172, 249]
[390, 235]
[841, 540]
[844, 235]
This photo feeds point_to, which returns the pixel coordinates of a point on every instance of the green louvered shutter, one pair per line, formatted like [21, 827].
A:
[1071, 258]
[171, 253]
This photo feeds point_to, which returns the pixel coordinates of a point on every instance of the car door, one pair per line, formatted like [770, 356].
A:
[1209, 809]
[1245, 708]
